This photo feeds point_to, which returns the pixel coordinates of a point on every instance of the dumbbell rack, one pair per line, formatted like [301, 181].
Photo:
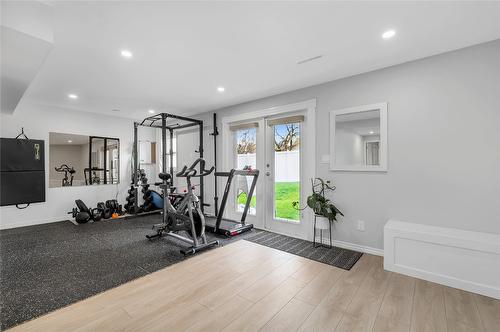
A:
[132, 206]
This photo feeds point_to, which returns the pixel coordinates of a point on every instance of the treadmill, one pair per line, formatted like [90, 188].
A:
[228, 227]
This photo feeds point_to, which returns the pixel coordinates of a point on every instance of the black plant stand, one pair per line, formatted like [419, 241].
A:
[321, 234]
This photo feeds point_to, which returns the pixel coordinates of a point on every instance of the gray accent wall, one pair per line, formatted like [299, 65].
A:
[444, 143]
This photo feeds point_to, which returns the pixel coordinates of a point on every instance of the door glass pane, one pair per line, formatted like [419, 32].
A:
[96, 173]
[286, 170]
[246, 158]
[113, 160]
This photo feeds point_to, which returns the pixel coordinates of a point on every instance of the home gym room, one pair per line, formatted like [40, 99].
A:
[250, 166]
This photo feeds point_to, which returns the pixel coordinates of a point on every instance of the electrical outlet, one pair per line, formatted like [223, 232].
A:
[361, 225]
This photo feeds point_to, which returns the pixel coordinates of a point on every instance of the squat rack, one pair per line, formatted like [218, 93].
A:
[160, 121]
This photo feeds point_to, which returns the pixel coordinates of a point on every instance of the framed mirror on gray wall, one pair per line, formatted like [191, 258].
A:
[358, 138]
[79, 160]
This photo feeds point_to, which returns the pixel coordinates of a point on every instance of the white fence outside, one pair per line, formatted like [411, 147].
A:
[287, 165]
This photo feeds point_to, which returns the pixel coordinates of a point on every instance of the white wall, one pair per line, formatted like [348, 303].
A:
[38, 121]
[187, 145]
[445, 110]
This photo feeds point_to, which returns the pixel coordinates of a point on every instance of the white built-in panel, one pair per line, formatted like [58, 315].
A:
[456, 258]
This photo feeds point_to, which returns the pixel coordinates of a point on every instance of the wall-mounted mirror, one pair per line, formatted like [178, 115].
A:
[358, 138]
[79, 160]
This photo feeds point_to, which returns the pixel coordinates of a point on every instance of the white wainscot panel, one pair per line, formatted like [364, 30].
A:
[462, 259]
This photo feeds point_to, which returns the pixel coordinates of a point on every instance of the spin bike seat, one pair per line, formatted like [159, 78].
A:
[165, 176]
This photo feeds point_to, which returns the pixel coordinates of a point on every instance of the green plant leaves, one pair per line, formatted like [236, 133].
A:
[318, 202]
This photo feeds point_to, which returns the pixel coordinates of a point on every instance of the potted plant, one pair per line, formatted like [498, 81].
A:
[321, 205]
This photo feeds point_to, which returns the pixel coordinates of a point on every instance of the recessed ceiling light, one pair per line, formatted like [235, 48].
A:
[72, 96]
[221, 89]
[70, 141]
[126, 53]
[151, 111]
[371, 132]
[389, 34]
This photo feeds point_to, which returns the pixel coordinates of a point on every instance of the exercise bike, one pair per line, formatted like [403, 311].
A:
[66, 169]
[187, 216]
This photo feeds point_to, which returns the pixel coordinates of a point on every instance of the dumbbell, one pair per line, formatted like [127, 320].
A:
[81, 217]
[135, 209]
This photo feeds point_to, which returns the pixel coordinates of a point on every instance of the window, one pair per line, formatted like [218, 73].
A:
[246, 157]
[160, 153]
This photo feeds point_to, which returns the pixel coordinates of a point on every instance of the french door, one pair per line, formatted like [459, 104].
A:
[284, 179]
[274, 146]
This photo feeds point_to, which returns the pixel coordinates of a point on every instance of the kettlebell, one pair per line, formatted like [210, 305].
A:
[96, 214]
[106, 212]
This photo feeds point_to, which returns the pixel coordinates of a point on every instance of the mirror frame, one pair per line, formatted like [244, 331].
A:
[87, 180]
[105, 162]
[382, 107]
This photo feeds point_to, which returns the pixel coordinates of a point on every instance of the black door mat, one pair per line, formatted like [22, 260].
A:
[338, 257]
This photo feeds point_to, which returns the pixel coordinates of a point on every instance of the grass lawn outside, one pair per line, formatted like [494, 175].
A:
[285, 193]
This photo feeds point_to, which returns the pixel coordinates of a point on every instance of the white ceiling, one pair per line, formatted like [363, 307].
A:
[182, 51]
[63, 139]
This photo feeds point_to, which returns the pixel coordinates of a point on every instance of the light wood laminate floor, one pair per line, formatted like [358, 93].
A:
[247, 287]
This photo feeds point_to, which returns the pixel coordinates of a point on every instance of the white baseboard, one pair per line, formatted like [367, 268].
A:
[32, 222]
[357, 247]
[353, 246]
[457, 258]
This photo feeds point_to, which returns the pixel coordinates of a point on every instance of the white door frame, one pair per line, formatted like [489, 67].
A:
[308, 149]
[366, 149]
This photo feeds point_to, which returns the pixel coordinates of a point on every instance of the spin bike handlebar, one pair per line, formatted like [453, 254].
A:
[64, 168]
[192, 172]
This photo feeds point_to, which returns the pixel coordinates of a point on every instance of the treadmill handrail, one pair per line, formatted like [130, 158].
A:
[252, 172]
[230, 175]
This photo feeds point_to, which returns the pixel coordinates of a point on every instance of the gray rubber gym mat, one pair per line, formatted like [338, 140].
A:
[49, 266]
[46, 267]
[338, 257]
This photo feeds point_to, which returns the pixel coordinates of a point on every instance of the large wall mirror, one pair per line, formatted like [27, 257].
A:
[79, 160]
[358, 138]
